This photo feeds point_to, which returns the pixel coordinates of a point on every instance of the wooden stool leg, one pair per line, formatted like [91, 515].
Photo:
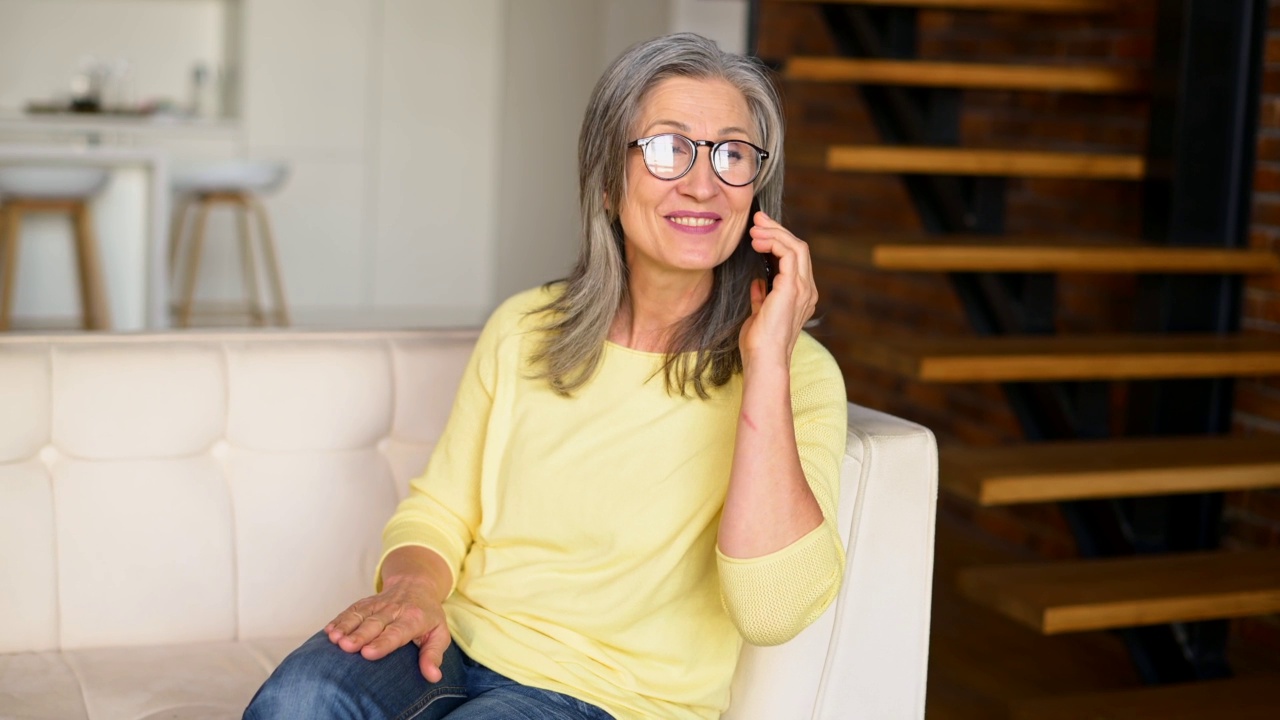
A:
[273, 266]
[193, 263]
[10, 226]
[176, 228]
[94, 303]
[250, 264]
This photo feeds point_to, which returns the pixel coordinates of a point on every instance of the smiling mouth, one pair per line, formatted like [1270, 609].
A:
[692, 221]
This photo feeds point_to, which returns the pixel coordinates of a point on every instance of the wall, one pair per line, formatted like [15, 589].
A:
[724, 21]
[1253, 518]
[537, 209]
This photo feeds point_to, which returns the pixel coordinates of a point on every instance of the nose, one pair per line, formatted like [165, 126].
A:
[700, 182]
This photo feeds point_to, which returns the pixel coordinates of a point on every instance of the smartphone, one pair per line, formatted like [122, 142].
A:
[767, 261]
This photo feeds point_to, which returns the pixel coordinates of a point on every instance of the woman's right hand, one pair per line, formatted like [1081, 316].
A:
[406, 610]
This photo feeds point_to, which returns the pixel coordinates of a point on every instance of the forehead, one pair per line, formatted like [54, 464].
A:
[705, 107]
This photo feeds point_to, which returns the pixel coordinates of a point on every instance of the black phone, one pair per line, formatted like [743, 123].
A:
[768, 263]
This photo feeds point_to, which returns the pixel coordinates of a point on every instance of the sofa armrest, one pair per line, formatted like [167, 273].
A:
[866, 657]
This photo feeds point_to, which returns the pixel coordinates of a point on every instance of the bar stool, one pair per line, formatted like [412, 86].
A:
[238, 184]
[26, 190]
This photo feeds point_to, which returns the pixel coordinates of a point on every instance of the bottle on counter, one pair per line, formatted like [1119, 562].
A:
[206, 95]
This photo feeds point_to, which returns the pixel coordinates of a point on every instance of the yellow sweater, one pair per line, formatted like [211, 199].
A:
[581, 531]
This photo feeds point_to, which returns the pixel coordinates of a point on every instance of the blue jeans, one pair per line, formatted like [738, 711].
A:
[320, 680]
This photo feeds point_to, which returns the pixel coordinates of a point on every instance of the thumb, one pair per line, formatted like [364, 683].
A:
[431, 653]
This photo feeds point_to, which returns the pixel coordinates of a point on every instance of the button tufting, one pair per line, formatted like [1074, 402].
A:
[220, 449]
[384, 444]
[49, 454]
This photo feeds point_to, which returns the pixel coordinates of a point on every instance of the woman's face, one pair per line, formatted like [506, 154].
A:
[690, 225]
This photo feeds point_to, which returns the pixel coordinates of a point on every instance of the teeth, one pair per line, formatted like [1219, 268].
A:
[692, 221]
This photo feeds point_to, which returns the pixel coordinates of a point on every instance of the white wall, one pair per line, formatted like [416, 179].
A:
[724, 21]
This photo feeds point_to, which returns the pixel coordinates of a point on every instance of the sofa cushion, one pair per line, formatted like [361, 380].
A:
[204, 681]
[170, 578]
[137, 401]
[25, 403]
[321, 516]
[28, 559]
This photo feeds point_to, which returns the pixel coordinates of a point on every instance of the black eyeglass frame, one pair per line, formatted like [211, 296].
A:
[761, 152]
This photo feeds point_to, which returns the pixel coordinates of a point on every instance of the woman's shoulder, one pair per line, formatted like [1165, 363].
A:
[520, 312]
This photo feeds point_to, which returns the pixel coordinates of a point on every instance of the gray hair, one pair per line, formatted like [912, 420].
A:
[704, 346]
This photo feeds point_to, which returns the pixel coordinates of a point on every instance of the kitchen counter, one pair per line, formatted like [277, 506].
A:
[134, 242]
[94, 128]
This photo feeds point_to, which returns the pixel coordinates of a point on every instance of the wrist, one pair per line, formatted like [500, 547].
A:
[765, 365]
[410, 580]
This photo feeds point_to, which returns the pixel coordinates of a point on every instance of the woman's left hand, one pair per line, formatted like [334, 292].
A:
[777, 318]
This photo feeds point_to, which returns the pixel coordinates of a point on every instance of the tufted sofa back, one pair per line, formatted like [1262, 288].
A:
[199, 487]
[177, 490]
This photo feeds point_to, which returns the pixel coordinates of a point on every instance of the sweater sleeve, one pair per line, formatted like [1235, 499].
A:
[442, 509]
[770, 599]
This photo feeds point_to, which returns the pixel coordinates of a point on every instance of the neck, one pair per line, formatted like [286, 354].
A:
[655, 306]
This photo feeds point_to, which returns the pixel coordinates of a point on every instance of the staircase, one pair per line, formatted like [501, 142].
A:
[1143, 500]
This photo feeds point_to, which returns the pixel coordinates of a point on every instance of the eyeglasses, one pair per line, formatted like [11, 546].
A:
[670, 156]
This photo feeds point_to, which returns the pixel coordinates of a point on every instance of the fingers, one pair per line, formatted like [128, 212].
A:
[366, 621]
[346, 623]
[357, 639]
[389, 638]
[795, 266]
[431, 653]
[792, 252]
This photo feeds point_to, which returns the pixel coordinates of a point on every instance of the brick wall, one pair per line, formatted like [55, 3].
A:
[858, 303]
[1253, 518]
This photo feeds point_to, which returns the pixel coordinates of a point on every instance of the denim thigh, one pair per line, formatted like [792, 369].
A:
[491, 696]
[321, 680]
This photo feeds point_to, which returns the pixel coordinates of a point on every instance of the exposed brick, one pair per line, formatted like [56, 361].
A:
[1266, 178]
[1269, 112]
[1254, 397]
[1269, 146]
[1266, 210]
[1263, 506]
[1262, 306]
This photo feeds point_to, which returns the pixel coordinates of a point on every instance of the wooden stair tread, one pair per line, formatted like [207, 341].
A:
[1242, 698]
[1108, 593]
[1026, 6]
[976, 253]
[922, 73]
[1077, 470]
[987, 162]
[1057, 357]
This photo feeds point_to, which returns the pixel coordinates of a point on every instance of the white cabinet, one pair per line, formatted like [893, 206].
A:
[438, 158]
[306, 75]
[307, 88]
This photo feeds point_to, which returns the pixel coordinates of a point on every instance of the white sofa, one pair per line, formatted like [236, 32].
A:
[178, 511]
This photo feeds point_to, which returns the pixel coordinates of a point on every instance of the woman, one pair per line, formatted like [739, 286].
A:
[641, 466]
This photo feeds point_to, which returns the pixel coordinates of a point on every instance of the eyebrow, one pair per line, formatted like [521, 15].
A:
[685, 128]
